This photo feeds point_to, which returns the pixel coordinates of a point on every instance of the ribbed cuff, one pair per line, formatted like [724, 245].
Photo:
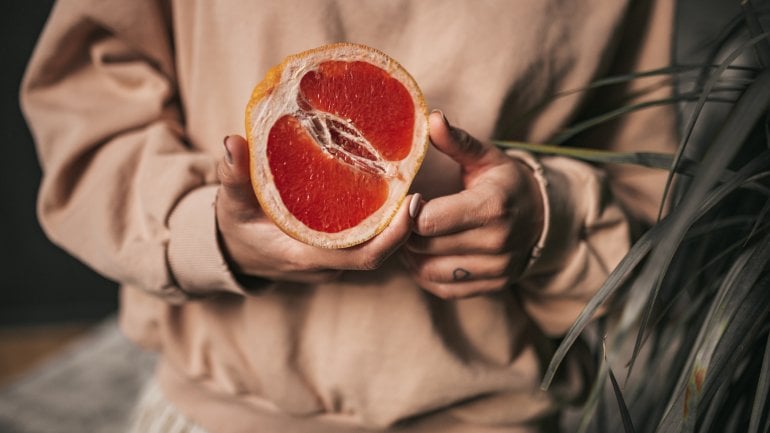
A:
[194, 256]
[560, 181]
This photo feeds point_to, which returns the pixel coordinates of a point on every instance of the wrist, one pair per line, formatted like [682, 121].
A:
[228, 247]
[194, 255]
[536, 187]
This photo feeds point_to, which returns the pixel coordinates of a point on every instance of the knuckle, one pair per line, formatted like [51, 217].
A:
[505, 267]
[495, 285]
[499, 267]
[444, 292]
[294, 260]
[497, 243]
[224, 174]
[495, 206]
[462, 137]
[371, 261]
[427, 271]
[432, 288]
[467, 142]
[426, 224]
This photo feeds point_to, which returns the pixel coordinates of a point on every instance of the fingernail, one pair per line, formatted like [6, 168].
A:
[414, 205]
[443, 116]
[228, 155]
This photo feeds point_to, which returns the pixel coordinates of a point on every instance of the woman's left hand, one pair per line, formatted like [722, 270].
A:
[480, 239]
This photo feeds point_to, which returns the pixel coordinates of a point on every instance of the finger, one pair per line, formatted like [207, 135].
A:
[464, 289]
[366, 256]
[233, 173]
[454, 269]
[371, 254]
[469, 152]
[468, 209]
[483, 240]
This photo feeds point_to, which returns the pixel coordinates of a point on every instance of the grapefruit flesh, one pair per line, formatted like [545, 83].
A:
[336, 136]
[377, 104]
[319, 191]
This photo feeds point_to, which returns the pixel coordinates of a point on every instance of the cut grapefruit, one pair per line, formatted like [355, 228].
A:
[336, 135]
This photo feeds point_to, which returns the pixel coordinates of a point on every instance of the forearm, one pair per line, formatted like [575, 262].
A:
[597, 211]
[121, 190]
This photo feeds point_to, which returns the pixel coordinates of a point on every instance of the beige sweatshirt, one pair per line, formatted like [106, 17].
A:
[129, 100]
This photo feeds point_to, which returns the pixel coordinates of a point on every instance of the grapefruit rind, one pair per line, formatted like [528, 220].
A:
[276, 95]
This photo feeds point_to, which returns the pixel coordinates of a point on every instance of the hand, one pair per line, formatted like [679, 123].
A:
[255, 246]
[480, 239]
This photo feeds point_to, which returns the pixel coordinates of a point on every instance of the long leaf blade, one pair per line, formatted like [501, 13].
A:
[751, 106]
[690, 127]
[631, 260]
[634, 256]
[633, 307]
[645, 159]
[755, 28]
[738, 304]
[759, 407]
[628, 424]
[612, 114]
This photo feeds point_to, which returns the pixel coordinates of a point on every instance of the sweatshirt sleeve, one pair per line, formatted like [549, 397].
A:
[122, 190]
[594, 213]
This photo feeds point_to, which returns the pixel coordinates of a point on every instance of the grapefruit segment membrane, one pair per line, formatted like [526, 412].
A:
[327, 194]
[336, 136]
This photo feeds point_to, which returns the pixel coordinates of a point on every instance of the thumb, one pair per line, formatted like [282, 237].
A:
[466, 150]
[233, 172]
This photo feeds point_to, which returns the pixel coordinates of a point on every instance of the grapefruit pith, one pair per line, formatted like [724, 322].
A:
[336, 135]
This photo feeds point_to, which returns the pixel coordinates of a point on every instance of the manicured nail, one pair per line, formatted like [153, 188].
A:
[228, 154]
[414, 205]
[443, 116]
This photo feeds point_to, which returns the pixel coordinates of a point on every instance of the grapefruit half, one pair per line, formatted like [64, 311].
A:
[336, 135]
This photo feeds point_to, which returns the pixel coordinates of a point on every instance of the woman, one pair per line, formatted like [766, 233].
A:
[128, 102]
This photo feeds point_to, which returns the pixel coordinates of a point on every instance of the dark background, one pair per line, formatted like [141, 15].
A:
[39, 283]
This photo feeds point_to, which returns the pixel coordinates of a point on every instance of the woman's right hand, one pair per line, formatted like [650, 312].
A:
[255, 246]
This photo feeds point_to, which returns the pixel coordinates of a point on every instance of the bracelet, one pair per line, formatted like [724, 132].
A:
[539, 173]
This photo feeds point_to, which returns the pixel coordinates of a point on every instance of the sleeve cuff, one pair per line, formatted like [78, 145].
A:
[194, 256]
[585, 236]
[568, 187]
[542, 182]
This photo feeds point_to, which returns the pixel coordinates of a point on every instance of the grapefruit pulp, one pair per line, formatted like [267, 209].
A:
[336, 135]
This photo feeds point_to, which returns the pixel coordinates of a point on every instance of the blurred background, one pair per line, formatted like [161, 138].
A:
[58, 334]
[46, 297]
[57, 328]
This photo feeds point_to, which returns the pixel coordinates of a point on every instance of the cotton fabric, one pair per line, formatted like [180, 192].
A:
[129, 101]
